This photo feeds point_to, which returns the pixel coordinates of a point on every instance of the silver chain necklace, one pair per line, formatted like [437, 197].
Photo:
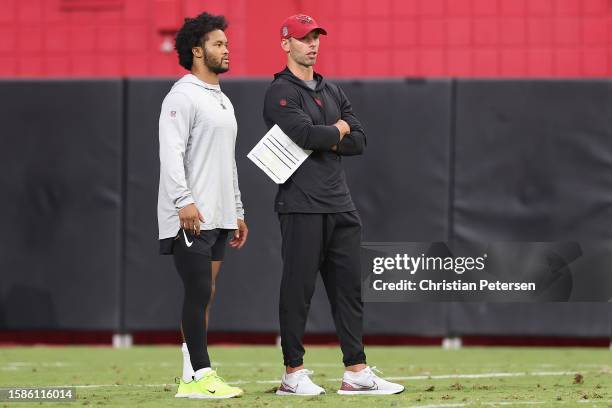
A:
[218, 96]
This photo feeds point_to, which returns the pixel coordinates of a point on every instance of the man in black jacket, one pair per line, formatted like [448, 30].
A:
[320, 226]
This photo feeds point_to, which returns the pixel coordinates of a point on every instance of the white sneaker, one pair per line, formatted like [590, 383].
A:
[299, 383]
[367, 383]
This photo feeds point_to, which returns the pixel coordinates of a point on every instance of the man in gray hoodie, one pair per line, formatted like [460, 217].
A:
[199, 203]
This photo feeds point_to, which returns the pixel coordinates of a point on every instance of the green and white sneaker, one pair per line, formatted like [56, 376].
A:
[184, 388]
[211, 386]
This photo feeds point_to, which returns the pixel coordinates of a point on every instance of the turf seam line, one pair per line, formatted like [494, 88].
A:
[416, 377]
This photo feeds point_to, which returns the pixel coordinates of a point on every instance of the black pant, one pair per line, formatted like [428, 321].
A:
[328, 243]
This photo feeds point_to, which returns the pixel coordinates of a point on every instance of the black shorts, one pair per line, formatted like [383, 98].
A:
[210, 243]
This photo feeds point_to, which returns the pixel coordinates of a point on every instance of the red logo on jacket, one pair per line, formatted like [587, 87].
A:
[283, 102]
[318, 101]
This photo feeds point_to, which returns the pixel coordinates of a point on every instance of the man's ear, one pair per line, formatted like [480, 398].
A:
[285, 44]
[197, 52]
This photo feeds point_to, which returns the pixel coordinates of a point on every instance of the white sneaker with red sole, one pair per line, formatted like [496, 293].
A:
[299, 383]
[365, 382]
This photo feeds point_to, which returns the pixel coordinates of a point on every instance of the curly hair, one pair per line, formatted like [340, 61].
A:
[194, 33]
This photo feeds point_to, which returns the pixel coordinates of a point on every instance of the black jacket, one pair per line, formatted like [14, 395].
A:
[307, 117]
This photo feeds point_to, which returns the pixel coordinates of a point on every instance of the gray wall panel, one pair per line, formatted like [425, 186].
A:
[533, 160]
[152, 292]
[533, 163]
[531, 319]
[514, 160]
[60, 212]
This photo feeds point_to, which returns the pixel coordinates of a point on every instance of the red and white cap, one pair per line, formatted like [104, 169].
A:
[299, 25]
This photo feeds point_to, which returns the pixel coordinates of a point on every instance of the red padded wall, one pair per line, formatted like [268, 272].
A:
[482, 38]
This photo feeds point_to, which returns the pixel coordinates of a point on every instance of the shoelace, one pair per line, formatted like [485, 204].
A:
[376, 369]
[370, 371]
[305, 373]
[215, 376]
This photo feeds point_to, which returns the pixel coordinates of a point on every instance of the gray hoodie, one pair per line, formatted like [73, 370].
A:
[197, 139]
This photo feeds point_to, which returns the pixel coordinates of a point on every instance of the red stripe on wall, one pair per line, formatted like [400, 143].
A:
[104, 338]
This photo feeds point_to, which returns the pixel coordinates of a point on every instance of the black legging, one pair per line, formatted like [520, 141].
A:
[196, 273]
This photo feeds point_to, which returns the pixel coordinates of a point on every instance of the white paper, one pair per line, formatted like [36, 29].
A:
[277, 155]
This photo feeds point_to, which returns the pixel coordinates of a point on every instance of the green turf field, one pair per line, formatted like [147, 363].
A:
[479, 377]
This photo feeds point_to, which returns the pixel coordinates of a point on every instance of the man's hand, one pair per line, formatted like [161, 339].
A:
[240, 235]
[190, 219]
[343, 127]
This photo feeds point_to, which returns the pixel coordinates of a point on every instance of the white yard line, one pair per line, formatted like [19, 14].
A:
[18, 365]
[461, 404]
[503, 403]
[513, 402]
[482, 375]
[447, 376]
[109, 385]
[43, 364]
[408, 378]
[222, 364]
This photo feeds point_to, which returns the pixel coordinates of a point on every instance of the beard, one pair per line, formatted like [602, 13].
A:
[214, 64]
